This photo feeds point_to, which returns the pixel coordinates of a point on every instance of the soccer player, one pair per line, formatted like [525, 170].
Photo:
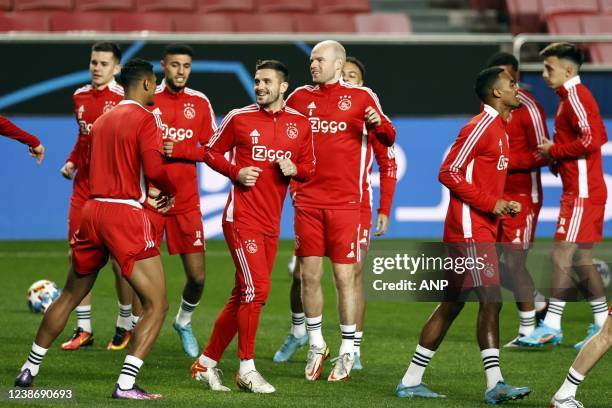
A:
[579, 135]
[10, 130]
[526, 130]
[327, 208]
[125, 144]
[353, 72]
[269, 144]
[187, 119]
[90, 102]
[474, 171]
[588, 357]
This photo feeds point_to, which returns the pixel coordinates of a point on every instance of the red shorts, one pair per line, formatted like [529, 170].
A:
[580, 220]
[475, 265]
[121, 230]
[365, 228]
[520, 229]
[253, 254]
[326, 232]
[184, 232]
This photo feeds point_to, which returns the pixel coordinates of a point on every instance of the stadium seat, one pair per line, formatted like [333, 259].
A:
[23, 22]
[552, 7]
[598, 24]
[166, 5]
[23, 5]
[564, 24]
[330, 23]
[265, 23]
[605, 6]
[383, 23]
[291, 6]
[104, 5]
[208, 6]
[6, 5]
[601, 53]
[343, 6]
[79, 21]
[208, 23]
[524, 16]
[142, 22]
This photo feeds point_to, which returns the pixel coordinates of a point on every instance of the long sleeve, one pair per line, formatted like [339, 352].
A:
[306, 161]
[385, 132]
[153, 164]
[9, 129]
[195, 153]
[387, 167]
[453, 171]
[582, 114]
[533, 127]
[221, 142]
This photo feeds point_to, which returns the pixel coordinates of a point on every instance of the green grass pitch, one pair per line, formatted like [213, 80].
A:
[391, 333]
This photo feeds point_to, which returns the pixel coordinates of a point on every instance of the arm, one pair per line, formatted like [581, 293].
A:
[306, 161]
[214, 152]
[153, 165]
[191, 152]
[9, 129]
[452, 173]
[377, 122]
[387, 167]
[582, 115]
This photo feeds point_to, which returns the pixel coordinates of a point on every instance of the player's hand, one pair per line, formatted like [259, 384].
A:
[38, 152]
[372, 117]
[544, 149]
[68, 170]
[168, 148]
[288, 168]
[247, 176]
[382, 224]
[553, 167]
[152, 194]
[502, 207]
[164, 202]
[514, 208]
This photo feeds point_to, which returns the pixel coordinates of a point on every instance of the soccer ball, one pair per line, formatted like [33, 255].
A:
[604, 271]
[41, 294]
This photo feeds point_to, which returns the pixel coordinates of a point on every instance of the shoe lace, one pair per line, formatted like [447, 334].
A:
[77, 332]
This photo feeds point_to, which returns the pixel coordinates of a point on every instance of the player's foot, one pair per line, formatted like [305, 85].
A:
[420, 391]
[515, 343]
[357, 362]
[254, 382]
[190, 344]
[569, 402]
[134, 393]
[25, 379]
[120, 339]
[342, 367]
[289, 347]
[505, 392]
[592, 330]
[541, 311]
[314, 361]
[209, 376]
[80, 338]
[291, 264]
[541, 335]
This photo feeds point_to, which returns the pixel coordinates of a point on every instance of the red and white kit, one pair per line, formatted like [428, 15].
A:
[126, 145]
[8, 129]
[387, 167]
[579, 135]
[89, 104]
[188, 120]
[327, 208]
[475, 172]
[251, 219]
[526, 130]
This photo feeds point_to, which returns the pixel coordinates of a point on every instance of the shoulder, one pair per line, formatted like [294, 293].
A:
[526, 98]
[293, 112]
[82, 90]
[300, 90]
[240, 113]
[116, 89]
[360, 90]
[479, 124]
[197, 95]
[584, 95]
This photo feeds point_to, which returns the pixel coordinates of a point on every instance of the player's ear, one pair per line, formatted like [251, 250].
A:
[117, 69]
[496, 93]
[284, 86]
[162, 63]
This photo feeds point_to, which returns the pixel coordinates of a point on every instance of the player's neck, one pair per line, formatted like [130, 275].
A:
[173, 89]
[141, 100]
[101, 87]
[273, 107]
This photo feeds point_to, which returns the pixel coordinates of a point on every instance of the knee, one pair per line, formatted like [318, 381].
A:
[452, 309]
[196, 282]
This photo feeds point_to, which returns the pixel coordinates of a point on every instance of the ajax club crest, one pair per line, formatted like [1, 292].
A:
[108, 105]
[292, 131]
[345, 103]
[251, 246]
[189, 111]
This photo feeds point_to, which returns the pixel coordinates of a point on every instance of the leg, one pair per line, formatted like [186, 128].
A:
[126, 296]
[360, 309]
[312, 296]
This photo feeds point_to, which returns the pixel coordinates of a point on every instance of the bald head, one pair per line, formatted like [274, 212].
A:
[326, 61]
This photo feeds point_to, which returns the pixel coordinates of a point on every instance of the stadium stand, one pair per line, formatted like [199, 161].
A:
[209, 6]
[343, 6]
[186, 6]
[564, 24]
[572, 7]
[524, 16]
[43, 5]
[104, 5]
[207, 23]
[79, 21]
[23, 22]
[382, 23]
[265, 23]
[284, 6]
[145, 22]
[326, 23]
[6, 4]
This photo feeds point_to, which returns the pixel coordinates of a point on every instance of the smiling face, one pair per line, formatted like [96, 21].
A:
[325, 63]
[507, 90]
[269, 87]
[177, 68]
[352, 74]
[103, 67]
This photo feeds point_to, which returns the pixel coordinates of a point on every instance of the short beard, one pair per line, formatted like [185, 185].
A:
[173, 87]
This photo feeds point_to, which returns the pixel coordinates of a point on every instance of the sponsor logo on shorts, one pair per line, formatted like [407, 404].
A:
[561, 229]
[262, 153]
[292, 131]
[251, 246]
[198, 241]
[489, 270]
[345, 103]
[352, 253]
[189, 110]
